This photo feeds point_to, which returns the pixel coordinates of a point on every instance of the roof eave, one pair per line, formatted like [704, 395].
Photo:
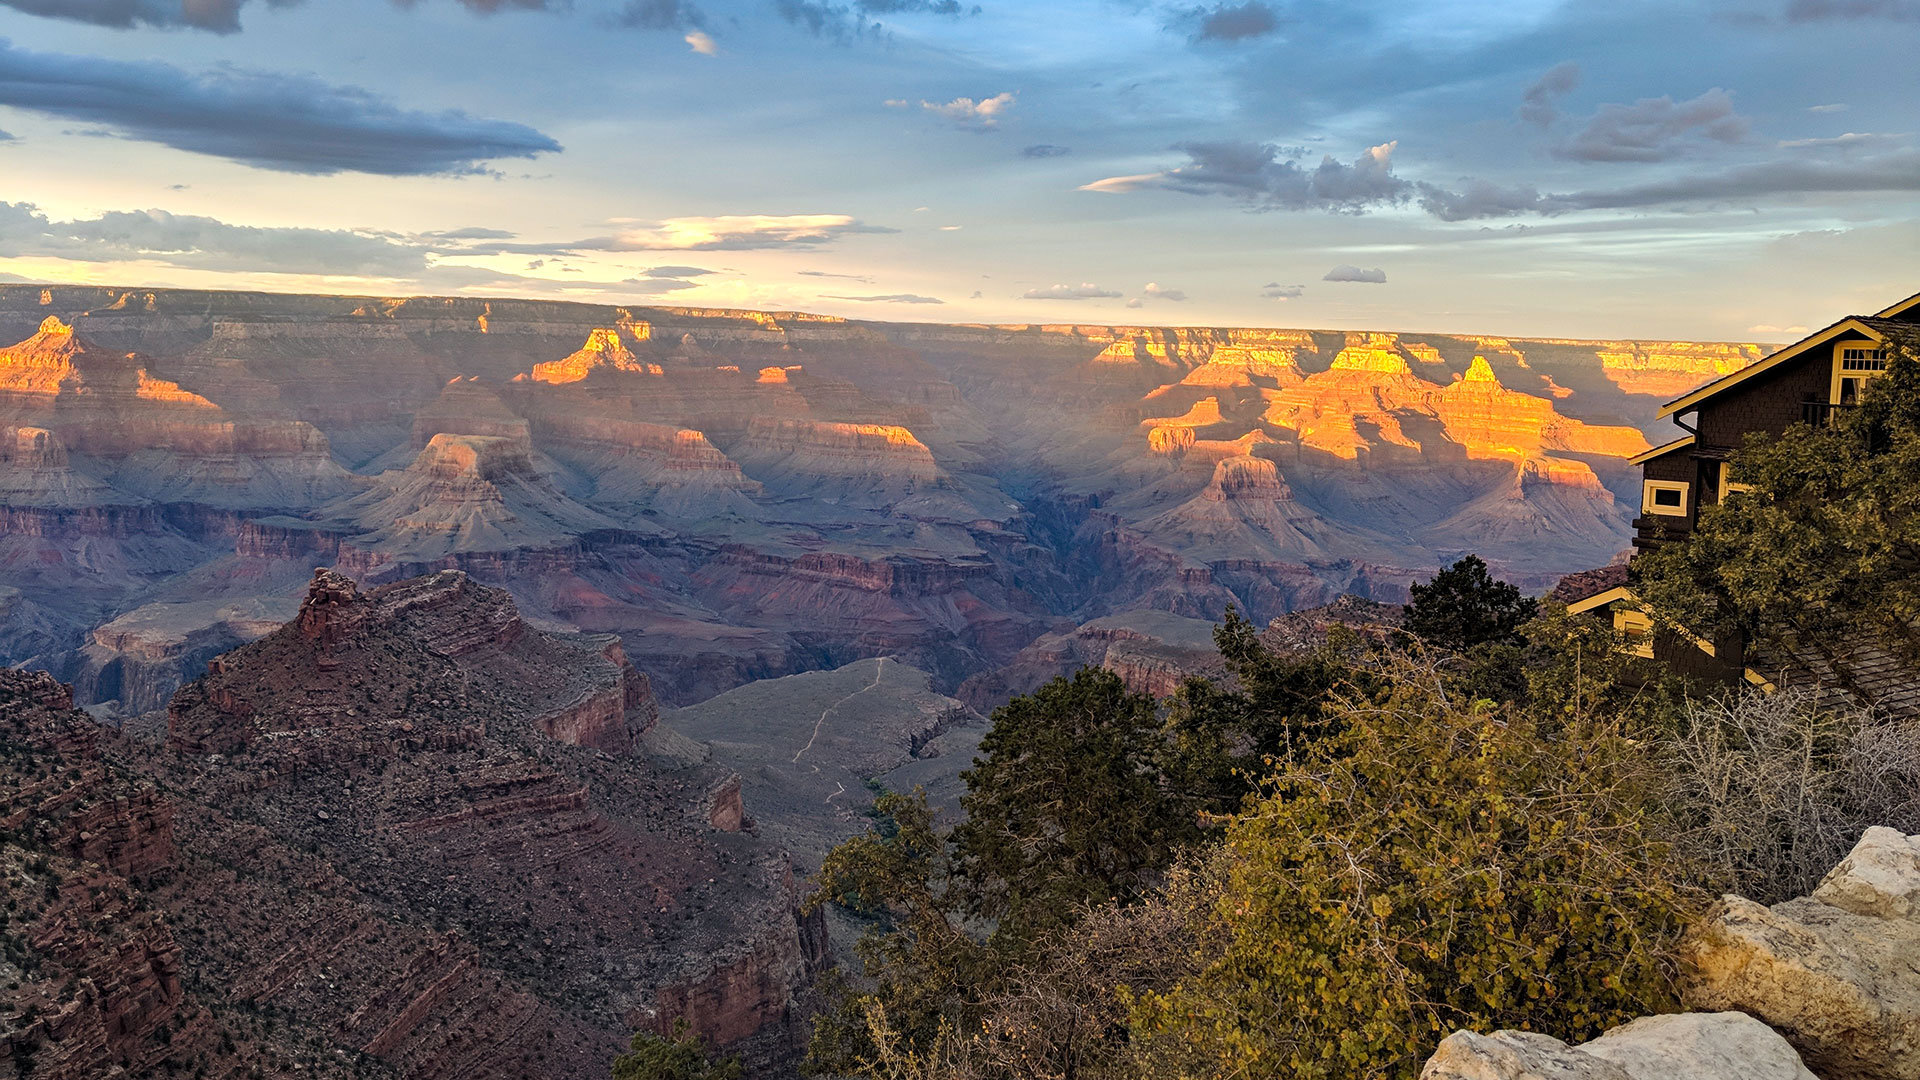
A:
[1761, 367]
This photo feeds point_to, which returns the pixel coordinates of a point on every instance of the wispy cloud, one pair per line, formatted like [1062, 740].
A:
[1825, 10]
[1273, 290]
[288, 123]
[702, 42]
[1800, 174]
[888, 298]
[217, 16]
[1253, 172]
[1044, 150]
[1084, 291]
[675, 271]
[204, 243]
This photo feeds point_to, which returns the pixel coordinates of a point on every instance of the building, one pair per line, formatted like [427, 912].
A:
[1809, 382]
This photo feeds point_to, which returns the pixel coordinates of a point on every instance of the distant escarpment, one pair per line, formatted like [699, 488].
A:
[743, 494]
[425, 836]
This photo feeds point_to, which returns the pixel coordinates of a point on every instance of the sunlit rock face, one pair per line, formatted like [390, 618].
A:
[750, 494]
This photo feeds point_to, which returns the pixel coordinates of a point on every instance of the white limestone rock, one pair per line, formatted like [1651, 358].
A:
[1688, 1046]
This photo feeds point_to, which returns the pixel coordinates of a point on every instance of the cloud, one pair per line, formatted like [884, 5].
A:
[1790, 331]
[1541, 103]
[1273, 290]
[1162, 292]
[655, 286]
[472, 232]
[1847, 139]
[1251, 172]
[734, 232]
[1344, 272]
[1835, 107]
[1083, 291]
[661, 15]
[861, 278]
[699, 41]
[675, 272]
[1044, 150]
[1801, 174]
[289, 123]
[1251, 19]
[1656, 129]
[855, 20]
[889, 298]
[969, 113]
[1825, 10]
[1136, 302]
[191, 241]
[217, 16]
[6, 136]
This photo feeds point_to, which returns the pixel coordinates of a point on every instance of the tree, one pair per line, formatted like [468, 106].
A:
[681, 1056]
[1466, 606]
[1435, 863]
[1064, 807]
[1822, 551]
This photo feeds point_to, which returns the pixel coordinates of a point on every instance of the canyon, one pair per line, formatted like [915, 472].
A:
[405, 834]
[742, 495]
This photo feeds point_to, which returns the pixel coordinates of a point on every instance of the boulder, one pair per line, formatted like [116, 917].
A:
[1688, 1046]
[1835, 972]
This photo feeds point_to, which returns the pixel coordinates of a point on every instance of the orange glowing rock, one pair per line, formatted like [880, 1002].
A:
[605, 351]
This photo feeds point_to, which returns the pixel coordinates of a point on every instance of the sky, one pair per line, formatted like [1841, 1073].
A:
[1696, 169]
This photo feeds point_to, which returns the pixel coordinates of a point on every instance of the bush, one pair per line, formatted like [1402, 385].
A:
[1437, 863]
[1773, 789]
[681, 1056]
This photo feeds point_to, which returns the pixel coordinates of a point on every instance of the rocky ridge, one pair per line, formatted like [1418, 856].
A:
[744, 494]
[412, 827]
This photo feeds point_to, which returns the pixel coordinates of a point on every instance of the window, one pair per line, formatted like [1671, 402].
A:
[1853, 364]
[1665, 497]
[1727, 486]
[1636, 628]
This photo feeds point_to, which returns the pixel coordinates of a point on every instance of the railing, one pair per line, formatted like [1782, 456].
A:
[1821, 414]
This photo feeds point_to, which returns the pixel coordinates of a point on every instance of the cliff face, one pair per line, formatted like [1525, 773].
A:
[749, 494]
[415, 828]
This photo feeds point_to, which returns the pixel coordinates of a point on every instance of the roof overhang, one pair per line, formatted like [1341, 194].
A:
[1904, 309]
[1602, 599]
[1662, 451]
[1800, 348]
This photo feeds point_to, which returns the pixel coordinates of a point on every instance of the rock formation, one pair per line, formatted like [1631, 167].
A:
[749, 494]
[1834, 971]
[1693, 1046]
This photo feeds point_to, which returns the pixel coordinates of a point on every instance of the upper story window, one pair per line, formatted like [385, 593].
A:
[1853, 365]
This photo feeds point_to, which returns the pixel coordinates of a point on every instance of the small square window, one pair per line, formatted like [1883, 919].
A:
[1664, 497]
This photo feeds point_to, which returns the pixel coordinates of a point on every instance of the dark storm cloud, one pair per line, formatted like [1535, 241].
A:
[1541, 103]
[1656, 129]
[1236, 22]
[1895, 172]
[1045, 150]
[186, 240]
[285, 122]
[218, 16]
[1253, 172]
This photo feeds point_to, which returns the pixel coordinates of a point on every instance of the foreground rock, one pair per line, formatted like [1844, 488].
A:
[1837, 972]
[407, 832]
[1689, 1046]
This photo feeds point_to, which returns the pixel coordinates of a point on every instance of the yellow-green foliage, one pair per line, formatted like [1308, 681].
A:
[1438, 863]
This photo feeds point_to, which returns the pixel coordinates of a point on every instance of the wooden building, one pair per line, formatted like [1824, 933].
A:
[1810, 381]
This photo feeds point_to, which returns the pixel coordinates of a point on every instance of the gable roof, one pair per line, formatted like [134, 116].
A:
[1906, 310]
[1680, 443]
[1872, 326]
